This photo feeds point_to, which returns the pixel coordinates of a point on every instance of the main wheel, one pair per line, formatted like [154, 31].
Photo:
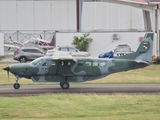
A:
[64, 85]
[60, 83]
[23, 60]
[16, 86]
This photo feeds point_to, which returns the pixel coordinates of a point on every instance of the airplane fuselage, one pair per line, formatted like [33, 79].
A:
[46, 69]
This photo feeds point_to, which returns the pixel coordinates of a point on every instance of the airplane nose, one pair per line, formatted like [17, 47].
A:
[6, 68]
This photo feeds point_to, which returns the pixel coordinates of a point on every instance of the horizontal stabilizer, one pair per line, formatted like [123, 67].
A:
[141, 61]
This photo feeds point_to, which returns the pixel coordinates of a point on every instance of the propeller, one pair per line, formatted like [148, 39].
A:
[7, 69]
[41, 36]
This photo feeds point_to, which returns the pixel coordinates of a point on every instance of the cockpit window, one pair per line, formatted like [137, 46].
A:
[37, 62]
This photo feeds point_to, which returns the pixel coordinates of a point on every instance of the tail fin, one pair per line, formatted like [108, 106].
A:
[52, 43]
[144, 51]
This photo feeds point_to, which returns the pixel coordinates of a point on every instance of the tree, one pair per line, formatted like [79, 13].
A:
[82, 43]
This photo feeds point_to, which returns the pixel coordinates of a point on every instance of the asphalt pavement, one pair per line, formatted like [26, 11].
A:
[80, 88]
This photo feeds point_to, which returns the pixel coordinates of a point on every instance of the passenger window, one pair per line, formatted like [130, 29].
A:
[80, 64]
[87, 63]
[102, 64]
[70, 63]
[49, 63]
[61, 63]
[53, 63]
[95, 64]
[45, 64]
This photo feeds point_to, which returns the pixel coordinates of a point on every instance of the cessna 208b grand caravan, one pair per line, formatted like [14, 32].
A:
[65, 69]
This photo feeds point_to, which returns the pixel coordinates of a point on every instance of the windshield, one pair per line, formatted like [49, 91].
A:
[37, 61]
[122, 49]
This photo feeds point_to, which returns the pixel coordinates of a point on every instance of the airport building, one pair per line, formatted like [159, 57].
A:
[24, 19]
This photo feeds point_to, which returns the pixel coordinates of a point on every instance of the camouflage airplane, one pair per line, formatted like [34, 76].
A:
[65, 69]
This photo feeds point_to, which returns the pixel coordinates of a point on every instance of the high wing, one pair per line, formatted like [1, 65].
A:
[9, 46]
[60, 55]
[40, 40]
[46, 47]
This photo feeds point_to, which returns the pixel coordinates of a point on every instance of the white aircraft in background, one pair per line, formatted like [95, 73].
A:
[13, 44]
[39, 42]
[33, 42]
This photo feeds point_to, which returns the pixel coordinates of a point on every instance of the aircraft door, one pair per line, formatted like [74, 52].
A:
[64, 68]
[50, 67]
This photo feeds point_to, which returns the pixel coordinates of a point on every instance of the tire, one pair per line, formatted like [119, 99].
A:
[61, 84]
[64, 85]
[22, 59]
[16, 86]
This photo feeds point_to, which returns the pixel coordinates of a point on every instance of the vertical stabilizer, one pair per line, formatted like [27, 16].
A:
[144, 51]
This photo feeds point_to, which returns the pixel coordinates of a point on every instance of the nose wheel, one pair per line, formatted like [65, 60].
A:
[16, 85]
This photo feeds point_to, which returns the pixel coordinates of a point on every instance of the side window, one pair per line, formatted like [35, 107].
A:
[26, 50]
[72, 49]
[102, 64]
[95, 64]
[61, 63]
[45, 64]
[36, 51]
[66, 63]
[80, 63]
[49, 63]
[53, 63]
[87, 63]
[31, 50]
[64, 49]
[59, 49]
[70, 63]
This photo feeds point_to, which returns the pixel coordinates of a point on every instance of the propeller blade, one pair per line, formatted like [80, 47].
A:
[7, 69]
[8, 75]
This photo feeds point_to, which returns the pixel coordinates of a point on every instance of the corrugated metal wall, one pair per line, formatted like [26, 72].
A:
[61, 15]
[38, 15]
[107, 16]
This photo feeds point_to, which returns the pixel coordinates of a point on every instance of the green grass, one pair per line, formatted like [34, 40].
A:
[86, 106]
[150, 74]
[81, 107]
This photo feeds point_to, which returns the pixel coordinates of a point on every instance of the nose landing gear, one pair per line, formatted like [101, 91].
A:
[16, 85]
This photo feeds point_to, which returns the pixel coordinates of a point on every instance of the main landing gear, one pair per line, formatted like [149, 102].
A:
[16, 85]
[65, 84]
